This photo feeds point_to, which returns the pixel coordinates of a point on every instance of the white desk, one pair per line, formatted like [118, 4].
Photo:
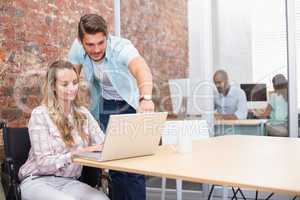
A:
[241, 127]
[255, 162]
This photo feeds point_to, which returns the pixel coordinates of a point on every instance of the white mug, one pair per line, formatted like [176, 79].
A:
[184, 142]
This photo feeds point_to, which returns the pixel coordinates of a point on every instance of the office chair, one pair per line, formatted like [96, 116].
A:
[16, 149]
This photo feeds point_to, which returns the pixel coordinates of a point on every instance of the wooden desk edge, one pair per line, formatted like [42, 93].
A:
[106, 165]
[245, 122]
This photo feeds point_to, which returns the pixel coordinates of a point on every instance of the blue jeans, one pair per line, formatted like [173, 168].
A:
[125, 186]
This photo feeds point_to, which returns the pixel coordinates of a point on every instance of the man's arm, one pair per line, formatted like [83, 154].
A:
[242, 109]
[140, 70]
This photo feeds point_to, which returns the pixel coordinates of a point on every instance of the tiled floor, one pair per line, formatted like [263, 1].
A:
[155, 194]
[170, 195]
[151, 195]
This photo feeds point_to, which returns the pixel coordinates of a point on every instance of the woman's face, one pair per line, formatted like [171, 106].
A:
[66, 85]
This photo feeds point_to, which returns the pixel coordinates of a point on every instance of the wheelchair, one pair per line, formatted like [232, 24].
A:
[16, 150]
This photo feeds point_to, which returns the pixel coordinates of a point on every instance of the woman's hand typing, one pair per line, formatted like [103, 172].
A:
[88, 149]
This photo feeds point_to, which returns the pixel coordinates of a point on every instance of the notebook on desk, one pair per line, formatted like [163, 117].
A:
[130, 135]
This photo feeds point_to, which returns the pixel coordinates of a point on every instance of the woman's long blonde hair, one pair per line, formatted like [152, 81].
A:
[56, 111]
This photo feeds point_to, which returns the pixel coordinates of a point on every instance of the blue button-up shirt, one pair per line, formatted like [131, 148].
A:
[119, 52]
[234, 102]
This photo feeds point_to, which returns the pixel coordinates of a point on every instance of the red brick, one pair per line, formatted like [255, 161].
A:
[3, 102]
[36, 33]
[11, 102]
[10, 114]
[33, 101]
[2, 55]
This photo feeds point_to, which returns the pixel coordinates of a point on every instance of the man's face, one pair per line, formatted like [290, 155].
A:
[221, 83]
[94, 45]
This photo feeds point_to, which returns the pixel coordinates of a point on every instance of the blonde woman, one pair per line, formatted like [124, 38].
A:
[59, 128]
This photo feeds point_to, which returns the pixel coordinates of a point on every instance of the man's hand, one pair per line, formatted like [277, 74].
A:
[218, 116]
[258, 112]
[146, 106]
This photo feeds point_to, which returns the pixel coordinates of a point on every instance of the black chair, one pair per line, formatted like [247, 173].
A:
[16, 149]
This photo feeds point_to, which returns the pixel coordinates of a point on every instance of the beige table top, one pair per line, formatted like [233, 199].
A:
[255, 162]
[245, 122]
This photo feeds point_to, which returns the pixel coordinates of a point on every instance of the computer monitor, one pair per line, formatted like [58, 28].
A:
[256, 94]
[255, 91]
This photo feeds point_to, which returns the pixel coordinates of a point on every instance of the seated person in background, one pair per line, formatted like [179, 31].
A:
[277, 109]
[229, 101]
[59, 128]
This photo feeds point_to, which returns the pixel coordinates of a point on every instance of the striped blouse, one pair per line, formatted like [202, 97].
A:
[48, 154]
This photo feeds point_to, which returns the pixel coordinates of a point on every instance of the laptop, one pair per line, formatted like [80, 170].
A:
[130, 135]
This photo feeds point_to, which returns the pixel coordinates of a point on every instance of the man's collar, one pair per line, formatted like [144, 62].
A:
[108, 47]
[228, 92]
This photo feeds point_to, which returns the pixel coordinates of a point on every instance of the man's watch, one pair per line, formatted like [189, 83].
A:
[145, 98]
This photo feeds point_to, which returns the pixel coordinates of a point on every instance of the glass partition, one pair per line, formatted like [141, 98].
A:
[297, 14]
[250, 45]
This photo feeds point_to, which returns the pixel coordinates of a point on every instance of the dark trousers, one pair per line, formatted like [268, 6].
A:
[124, 186]
[90, 176]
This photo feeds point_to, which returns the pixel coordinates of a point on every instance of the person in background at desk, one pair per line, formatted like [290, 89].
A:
[120, 82]
[277, 109]
[59, 128]
[229, 101]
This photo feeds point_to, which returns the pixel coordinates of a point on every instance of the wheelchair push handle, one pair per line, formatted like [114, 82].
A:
[2, 124]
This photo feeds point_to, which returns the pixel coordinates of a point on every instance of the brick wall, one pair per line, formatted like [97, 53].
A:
[159, 30]
[35, 33]
[32, 35]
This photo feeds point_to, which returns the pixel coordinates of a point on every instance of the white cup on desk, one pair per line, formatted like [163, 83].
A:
[179, 133]
[184, 140]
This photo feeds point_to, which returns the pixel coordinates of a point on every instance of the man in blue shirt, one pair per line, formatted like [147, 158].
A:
[230, 101]
[120, 82]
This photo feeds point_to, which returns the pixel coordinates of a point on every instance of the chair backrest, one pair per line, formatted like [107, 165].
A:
[198, 129]
[16, 145]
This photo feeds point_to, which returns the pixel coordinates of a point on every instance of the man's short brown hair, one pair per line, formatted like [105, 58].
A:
[91, 24]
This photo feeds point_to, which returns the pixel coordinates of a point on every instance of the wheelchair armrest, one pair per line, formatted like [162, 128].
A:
[10, 167]
[2, 124]
[10, 181]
